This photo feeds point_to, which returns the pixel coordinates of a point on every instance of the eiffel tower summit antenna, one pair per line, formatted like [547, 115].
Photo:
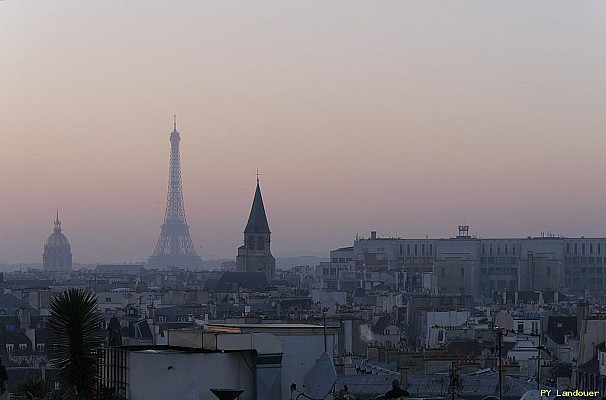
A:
[175, 247]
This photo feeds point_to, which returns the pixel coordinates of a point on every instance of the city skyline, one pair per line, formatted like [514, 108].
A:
[404, 118]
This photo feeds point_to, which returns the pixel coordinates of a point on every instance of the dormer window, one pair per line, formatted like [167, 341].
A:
[22, 346]
[9, 348]
[260, 243]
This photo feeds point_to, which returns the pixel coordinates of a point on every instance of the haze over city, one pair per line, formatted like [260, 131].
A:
[408, 118]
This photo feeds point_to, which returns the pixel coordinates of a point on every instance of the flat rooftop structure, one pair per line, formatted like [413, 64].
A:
[278, 329]
[162, 349]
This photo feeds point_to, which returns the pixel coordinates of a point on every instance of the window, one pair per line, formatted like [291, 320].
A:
[251, 242]
[498, 250]
[490, 249]
[513, 250]
[408, 249]
[9, 348]
[590, 248]
[423, 249]
[583, 249]
[483, 249]
[575, 249]
[520, 327]
[181, 318]
[431, 249]
[40, 347]
[416, 253]
[162, 318]
[505, 249]
[22, 346]
[108, 299]
[260, 243]
[549, 272]
[462, 272]
[443, 272]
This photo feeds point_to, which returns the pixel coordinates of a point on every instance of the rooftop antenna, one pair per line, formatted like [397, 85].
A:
[175, 122]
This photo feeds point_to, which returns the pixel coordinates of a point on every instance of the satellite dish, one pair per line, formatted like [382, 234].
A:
[321, 378]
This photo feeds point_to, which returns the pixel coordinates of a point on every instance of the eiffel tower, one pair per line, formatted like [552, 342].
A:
[175, 247]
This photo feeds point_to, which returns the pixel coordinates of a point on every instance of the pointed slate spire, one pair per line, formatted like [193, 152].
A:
[57, 223]
[257, 221]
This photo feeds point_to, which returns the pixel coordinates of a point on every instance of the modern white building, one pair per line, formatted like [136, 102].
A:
[261, 359]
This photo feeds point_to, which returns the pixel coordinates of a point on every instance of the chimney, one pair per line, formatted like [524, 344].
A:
[582, 314]
[25, 319]
[373, 234]
[404, 372]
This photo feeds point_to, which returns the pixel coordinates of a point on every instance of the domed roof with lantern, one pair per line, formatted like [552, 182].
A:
[57, 239]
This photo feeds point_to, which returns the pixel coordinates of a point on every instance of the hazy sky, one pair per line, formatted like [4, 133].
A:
[407, 117]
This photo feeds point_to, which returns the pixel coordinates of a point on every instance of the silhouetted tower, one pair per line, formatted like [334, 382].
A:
[175, 247]
[255, 255]
[57, 250]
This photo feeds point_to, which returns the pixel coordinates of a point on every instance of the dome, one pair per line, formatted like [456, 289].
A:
[57, 251]
[57, 239]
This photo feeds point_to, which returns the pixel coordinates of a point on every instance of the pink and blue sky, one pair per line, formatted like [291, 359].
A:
[406, 117]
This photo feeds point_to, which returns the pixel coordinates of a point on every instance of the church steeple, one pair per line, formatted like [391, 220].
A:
[255, 255]
[257, 220]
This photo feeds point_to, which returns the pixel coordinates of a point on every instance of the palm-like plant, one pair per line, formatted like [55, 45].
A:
[75, 332]
[32, 389]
